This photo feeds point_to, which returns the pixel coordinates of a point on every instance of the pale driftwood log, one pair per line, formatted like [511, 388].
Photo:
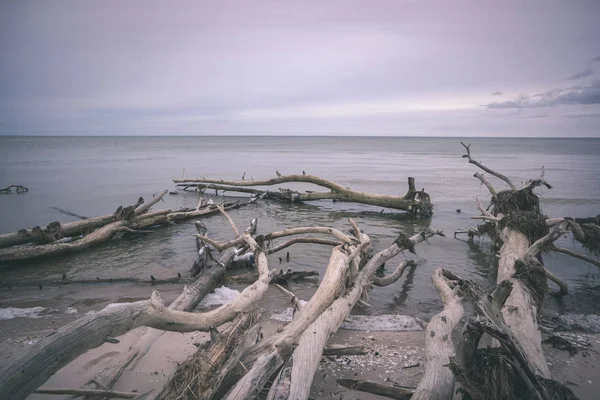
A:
[438, 381]
[486, 169]
[387, 280]
[186, 301]
[201, 375]
[520, 310]
[270, 353]
[409, 202]
[393, 392]
[33, 367]
[308, 352]
[100, 235]
[494, 324]
[40, 234]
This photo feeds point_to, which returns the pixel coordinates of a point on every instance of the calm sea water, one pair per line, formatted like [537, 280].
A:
[94, 175]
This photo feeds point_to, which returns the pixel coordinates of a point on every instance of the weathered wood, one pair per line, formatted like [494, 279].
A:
[101, 235]
[438, 381]
[33, 367]
[145, 337]
[200, 376]
[411, 201]
[39, 235]
[308, 352]
[393, 392]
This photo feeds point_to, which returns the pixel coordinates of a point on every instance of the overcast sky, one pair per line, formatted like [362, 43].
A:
[396, 67]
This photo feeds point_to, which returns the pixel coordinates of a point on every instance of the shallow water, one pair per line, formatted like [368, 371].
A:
[94, 175]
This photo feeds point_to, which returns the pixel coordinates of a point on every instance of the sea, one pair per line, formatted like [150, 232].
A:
[92, 176]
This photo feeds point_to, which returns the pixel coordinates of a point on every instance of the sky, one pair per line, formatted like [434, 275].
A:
[301, 67]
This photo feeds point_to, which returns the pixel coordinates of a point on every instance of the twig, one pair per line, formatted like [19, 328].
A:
[235, 229]
[487, 183]
[575, 254]
[486, 169]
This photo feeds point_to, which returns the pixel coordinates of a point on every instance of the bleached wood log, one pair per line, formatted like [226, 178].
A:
[39, 234]
[520, 310]
[438, 381]
[145, 336]
[212, 362]
[308, 352]
[101, 235]
[338, 192]
[394, 276]
[393, 392]
[33, 367]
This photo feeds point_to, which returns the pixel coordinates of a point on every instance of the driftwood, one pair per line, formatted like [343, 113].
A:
[295, 381]
[438, 381]
[511, 311]
[414, 202]
[33, 367]
[59, 238]
[201, 375]
[393, 392]
[498, 373]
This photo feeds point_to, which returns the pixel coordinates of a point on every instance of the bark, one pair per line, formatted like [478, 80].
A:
[438, 381]
[520, 310]
[201, 375]
[100, 235]
[412, 201]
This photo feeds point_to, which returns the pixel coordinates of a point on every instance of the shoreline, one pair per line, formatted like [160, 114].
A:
[392, 358]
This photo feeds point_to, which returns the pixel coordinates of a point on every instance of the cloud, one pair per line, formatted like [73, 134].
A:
[498, 93]
[597, 58]
[579, 116]
[580, 94]
[582, 74]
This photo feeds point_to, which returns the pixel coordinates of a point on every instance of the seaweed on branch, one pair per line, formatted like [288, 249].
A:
[509, 201]
[494, 375]
[535, 280]
[532, 224]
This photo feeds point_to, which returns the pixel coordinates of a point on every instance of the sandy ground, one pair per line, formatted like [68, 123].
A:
[392, 358]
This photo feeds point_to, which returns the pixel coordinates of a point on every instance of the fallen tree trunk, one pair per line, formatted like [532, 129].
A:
[55, 230]
[416, 202]
[34, 366]
[137, 218]
[307, 354]
[201, 375]
[187, 301]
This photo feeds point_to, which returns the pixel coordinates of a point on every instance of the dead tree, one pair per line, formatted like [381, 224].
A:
[517, 222]
[58, 239]
[414, 201]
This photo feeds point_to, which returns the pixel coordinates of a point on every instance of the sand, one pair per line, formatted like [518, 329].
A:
[392, 358]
